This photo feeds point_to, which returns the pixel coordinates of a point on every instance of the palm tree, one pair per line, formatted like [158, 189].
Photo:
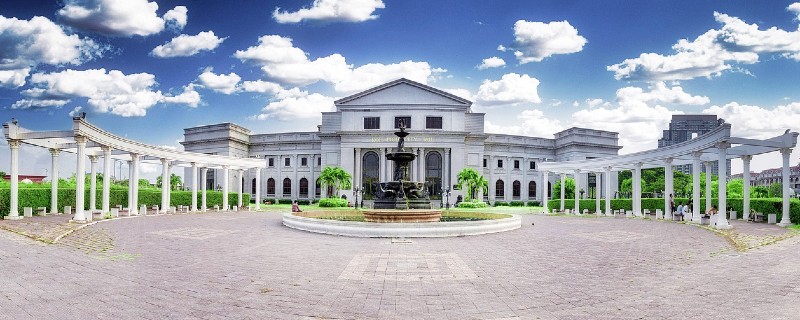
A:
[473, 181]
[333, 179]
[174, 181]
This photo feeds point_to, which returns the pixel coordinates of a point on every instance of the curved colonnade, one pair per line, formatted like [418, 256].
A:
[716, 145]
[89, 141]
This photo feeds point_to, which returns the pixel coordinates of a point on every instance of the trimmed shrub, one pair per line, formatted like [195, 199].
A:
[500, 204]
[332, 202]
[472, 204]
[517, 203]
[304, 202]
[284, 201]
[534, 204]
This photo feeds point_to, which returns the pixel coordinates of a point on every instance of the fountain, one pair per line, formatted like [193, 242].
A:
[401, 200]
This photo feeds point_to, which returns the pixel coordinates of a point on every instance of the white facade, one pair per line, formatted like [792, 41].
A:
[445, 133]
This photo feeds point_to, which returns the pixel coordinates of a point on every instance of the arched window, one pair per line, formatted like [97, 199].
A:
[318, 189]
[287, 187]
[271, 187]
[499, 189]
[253, 186]
[370, 169]
[433, 174]
[303, 188]
[532, 190]
[516, 189]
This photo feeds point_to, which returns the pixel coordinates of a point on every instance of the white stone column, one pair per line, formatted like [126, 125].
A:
[544, 191]
[54, 181]
[296, 179]
[130, 185]
[312, 184]
[785, 215]
[577, 193]
[203, 177]
[563, 189]
[722, 220]
[696, 214]
[492, 182]
[225, 188]
[93, 184]
[446, 169]
[524, 183]
[80, 175]
[668, 176]
[194, 186]
[746, 190]
[708, 184]
[164, 185]
[382, 165]
[134, 210]
[258, 187]
[607, 190]
[637, 190]
[241, 187]
[106, 179]
[597, 192]
[509, 183]
[13, 209]
[421, 165]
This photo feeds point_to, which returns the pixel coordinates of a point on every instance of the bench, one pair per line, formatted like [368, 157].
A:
[42, 211]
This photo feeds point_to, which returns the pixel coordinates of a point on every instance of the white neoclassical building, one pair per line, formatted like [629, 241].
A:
[445, 133]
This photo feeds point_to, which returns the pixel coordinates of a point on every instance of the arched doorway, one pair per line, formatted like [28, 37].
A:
[271, 187]
[433, 174]
[532, 190]
[303, 188]
[253, 186]
[516, 189]
[287, 187]
[499, 189]
[370, 169]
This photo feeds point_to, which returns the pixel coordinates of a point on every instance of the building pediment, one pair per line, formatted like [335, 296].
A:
[402, 92]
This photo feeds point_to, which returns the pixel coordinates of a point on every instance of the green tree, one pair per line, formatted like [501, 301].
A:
[174, 181]
[472, 181]
[776, 190]
[144, 183]
[569, 189]
[735, 188]
[759, 192]
[333, 179]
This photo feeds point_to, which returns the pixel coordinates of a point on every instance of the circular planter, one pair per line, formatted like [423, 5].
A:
[399, 230]
[402, 216]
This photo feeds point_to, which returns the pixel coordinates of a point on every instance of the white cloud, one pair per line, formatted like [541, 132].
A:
[282, 61]
[332, 10]
[75, 112]
[177, 17]
[512, 88]
[301, 106]
[713, 52]
[223, 83]
[28, 43]
[185, 45]
[757, 122]
[533, 123]
[493, 62]
[535, 41]
[460, 92]
[501, 48]
[188, 97]
[261, 86]
[119, 18]
[106, 92]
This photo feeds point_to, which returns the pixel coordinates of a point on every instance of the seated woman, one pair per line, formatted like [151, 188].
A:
[296, 207]
[711, 211]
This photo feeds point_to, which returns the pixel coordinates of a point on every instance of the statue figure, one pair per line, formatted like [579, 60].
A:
[401, 141]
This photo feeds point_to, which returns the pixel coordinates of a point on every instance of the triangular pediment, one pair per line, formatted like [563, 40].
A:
[403, 92]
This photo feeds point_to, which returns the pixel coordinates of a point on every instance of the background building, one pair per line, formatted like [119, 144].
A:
[446, 135]
[685, 127]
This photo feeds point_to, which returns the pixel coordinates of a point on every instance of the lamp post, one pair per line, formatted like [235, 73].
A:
[356, 190]
[446, 194]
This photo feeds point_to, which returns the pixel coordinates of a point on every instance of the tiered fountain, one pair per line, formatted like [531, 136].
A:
[401, 200]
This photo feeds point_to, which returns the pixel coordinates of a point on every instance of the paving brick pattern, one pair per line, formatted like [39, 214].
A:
[253, 267]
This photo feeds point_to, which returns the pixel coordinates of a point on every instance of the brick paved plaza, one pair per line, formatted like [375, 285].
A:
[247, 265]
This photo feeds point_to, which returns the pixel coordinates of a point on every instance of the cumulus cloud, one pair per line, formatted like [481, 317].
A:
[535, 41]
[177, 17]
[106, 92]
[332, 10]
[300, 106]
[119, 18]
[532, 123]
[185, 45]
[282, 61]
[224, 83]
[29, 43]
[493, 62]
[512, 88]
[713, 52]
[748, 121]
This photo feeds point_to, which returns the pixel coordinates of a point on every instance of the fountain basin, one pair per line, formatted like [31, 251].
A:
[396, 216]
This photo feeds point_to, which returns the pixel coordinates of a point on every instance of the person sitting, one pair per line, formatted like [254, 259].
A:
[680, 212]
[711, 211]
[296, 207]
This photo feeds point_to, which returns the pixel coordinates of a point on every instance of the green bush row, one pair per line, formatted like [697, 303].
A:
[332, 202]
[763, 205]
[40, 197]
[472, 204]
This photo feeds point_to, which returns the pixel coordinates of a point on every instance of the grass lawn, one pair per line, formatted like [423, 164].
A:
[315, 207]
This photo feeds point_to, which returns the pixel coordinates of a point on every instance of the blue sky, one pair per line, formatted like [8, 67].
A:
[147, 69]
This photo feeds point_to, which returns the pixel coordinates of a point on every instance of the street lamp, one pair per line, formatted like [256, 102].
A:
[446, 194]
[356, 190]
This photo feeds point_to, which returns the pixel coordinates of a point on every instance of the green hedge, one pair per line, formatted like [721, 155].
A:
[534, 204]
[763, 205]
[40, 197]
[332, 202]
[500, 204]
[472, 204]
[517, 203]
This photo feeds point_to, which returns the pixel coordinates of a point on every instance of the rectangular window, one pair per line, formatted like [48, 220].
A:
[484, 163]
[372, 122]
[304, 161]
[406, 121]
[319, 161]
[516, 164]
[499, 163]
[287, 162]
[433, 122]
[533, 165]
[271, 162]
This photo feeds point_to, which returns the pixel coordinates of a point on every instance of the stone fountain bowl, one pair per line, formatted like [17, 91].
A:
[402, 216]
[401, 156]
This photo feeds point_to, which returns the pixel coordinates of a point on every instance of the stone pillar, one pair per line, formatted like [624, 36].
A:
[544, 191]
[382, 165]
[194, 186]
[597, 192]
[696, 214]
[54, 181]
[577, 193]
[607, 188]
[668, 176]
[164, 185]
[130, 185]
[258, 187]
[785, 216]
[312, 184]
[13, 213]
[722, 221]
[492, 182]
[446, 169]
[708, 184]
[241, 187]
[563, 189]
[524, 184]
[422, 165]
[203, 177]
[134, 210]
[80, 175]
[746, 190]
[357, 173]
[637, 190]
[225, 188]
[106, 179]
[93, 184]
[509, 183]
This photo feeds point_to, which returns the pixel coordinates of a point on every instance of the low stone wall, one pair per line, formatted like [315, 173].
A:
[398, 230]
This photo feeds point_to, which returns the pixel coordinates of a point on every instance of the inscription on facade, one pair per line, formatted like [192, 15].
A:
[395, 139]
